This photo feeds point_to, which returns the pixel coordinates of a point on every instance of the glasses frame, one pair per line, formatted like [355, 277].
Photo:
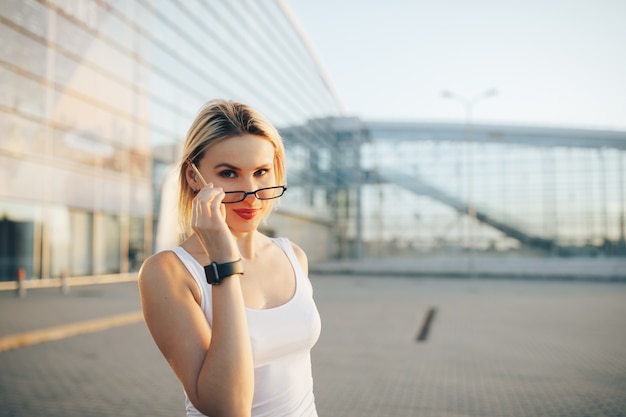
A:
[254, 193]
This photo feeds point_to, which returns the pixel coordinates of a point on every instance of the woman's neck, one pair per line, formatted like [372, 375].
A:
[248, 244]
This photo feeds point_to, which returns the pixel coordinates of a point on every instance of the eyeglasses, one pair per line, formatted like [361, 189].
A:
[268, 193]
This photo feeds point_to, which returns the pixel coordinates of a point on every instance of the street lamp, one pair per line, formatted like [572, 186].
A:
[468, 105]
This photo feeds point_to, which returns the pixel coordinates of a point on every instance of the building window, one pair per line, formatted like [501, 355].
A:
[20, 238]
[136, 244]
[107, 244]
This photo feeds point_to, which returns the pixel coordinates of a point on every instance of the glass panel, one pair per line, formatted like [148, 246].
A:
[85, 81]
[21, 136]
[107, 245]
[81, 261]
[59, 240]
[29, 14]
[86, 12]
[22, 52]
[29, 97]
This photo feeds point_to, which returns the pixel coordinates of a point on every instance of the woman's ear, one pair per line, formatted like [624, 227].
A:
[192, 178]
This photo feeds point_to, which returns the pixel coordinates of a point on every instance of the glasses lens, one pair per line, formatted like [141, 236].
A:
[269, 193]
[233, 196]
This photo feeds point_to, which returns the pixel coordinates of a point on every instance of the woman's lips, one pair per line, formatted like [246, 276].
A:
[247, 214]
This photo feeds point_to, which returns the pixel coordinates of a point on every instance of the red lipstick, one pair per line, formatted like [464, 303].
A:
[246, 214]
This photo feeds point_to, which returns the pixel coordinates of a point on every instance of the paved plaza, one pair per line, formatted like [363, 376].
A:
[494, 347]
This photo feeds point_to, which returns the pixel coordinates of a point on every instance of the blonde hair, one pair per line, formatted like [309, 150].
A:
[217, 121]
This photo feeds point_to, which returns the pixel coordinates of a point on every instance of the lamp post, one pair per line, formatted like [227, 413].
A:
[468, 105]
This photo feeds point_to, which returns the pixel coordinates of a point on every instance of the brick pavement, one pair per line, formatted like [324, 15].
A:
[495, 348]
[116, 372]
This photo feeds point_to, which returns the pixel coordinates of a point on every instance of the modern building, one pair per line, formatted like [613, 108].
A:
[97, 95]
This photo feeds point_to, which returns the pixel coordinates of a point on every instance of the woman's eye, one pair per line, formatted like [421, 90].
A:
[261, 172]
[227, 174]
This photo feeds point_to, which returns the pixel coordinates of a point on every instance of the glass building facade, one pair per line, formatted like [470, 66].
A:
[422, 189]
[96, 97]
[549, 191]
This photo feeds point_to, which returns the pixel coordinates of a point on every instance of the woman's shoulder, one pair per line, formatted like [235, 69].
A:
[160, 267]
[159, 260]
[163, 275]
[297, 249]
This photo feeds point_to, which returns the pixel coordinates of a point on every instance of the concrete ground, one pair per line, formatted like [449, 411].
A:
[495, 347]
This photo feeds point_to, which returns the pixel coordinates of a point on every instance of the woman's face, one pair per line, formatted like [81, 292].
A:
[241, 163]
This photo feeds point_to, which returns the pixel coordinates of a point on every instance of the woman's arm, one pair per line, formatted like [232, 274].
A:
[214, 365]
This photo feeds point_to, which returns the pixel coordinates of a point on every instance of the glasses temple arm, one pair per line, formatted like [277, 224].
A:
[195, 168]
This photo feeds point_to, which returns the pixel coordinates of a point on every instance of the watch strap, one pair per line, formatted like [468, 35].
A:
[215, 273]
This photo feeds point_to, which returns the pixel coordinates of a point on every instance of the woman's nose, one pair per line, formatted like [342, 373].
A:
[249, 185]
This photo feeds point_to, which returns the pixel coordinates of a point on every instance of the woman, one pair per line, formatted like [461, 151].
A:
[231, 309]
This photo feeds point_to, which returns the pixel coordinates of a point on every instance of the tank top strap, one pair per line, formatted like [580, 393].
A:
[195, 269]
[285, 245]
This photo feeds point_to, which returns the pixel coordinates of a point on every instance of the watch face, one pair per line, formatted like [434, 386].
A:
[212, 274]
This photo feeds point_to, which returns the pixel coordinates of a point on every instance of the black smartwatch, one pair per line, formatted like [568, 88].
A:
[215, 273]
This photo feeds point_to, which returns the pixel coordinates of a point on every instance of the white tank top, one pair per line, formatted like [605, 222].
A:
[281, 340]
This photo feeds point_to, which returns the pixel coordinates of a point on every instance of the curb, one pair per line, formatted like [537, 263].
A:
[529, 276]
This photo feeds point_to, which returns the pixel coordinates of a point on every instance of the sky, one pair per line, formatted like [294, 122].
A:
[558, 63]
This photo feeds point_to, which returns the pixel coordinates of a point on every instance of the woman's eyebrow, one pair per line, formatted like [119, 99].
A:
[268, 165]
[226, 165]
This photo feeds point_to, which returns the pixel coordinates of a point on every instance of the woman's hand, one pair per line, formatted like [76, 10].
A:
[208, 221]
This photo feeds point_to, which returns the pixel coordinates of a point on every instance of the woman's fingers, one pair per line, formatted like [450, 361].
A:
[209, 223]
[207, 206]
